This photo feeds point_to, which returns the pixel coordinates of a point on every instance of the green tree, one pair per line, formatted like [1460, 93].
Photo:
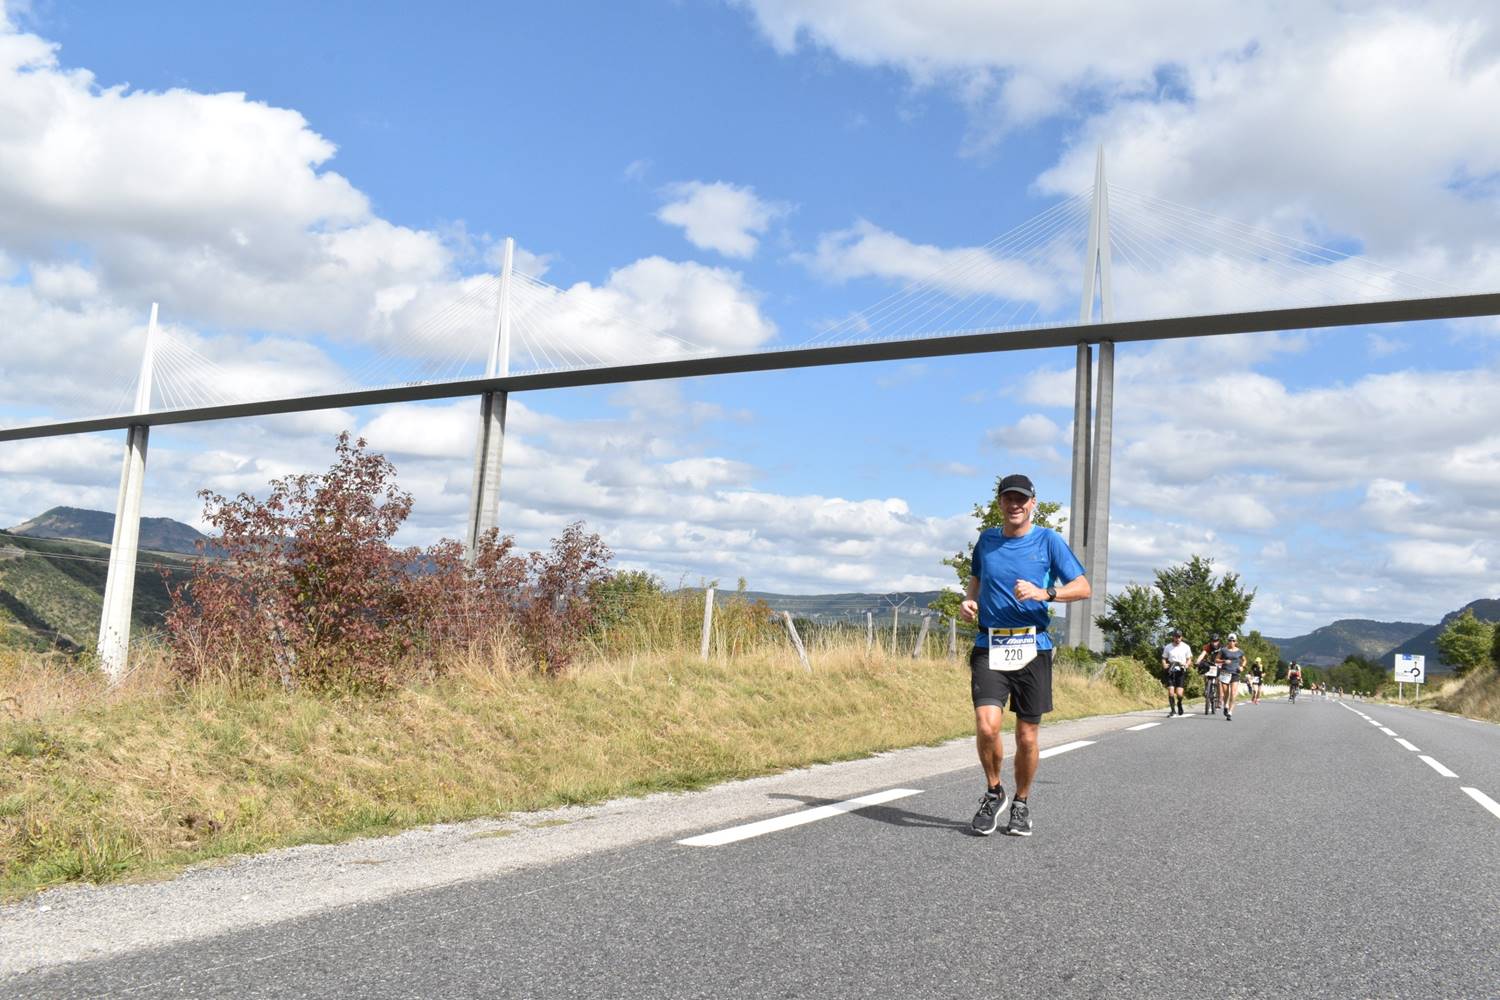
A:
[1201, 604]
[1357, 674]
[989, 515]
[1133, 623]
[1466, 643]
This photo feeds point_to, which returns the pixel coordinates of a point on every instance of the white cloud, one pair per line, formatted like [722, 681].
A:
[1439, 561]
[1297, 117]
[720, 216]
[865, 250]
[653, 308]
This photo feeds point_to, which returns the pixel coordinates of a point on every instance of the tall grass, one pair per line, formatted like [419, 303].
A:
[1477, 696]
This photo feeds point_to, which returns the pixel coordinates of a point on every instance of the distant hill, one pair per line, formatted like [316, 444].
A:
[159, 534]
[51, 591]
[1425, 643]
[1346, 637]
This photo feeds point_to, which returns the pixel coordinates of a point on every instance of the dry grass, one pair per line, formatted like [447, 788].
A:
[1476, 696]
[99, 785]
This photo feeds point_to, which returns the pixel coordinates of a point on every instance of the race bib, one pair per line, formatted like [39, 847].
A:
[1012, 648]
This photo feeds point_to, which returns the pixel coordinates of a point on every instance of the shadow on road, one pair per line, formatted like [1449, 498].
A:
[889, 815]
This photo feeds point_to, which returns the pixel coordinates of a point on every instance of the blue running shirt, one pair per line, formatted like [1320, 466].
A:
[1040, 556]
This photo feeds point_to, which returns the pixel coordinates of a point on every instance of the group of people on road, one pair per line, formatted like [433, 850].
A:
[1223, 666]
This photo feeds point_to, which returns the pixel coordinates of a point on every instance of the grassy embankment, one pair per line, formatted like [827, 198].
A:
[1476, 695]
[101, 785]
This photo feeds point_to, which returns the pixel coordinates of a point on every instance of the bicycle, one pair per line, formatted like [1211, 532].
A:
[1294, 693]
[1210, 693]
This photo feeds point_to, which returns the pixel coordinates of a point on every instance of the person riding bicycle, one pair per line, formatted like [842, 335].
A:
[1174, 661]
[1208, 667]
[1294, 679]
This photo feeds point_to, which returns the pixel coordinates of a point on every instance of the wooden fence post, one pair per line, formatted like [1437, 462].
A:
[869, 631]
[708, 621]
[895, 620]
[791, 630]
[916, 650]
[952, 637]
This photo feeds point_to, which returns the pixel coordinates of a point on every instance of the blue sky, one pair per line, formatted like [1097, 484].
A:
[276, 177]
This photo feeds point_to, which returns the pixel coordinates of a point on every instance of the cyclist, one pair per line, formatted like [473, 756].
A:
[1294, 679]
[1230, 659]
[1207, 666]
[1257, 677]
[1174, 660]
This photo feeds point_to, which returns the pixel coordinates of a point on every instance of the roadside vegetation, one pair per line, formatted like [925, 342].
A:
[316, 683]
[100, 784]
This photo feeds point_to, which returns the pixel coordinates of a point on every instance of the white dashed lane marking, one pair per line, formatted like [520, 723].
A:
[1388, 732]
[748, 830]
[1144, 725]
[1076, 744]
[1484, 800]
[1439, 768]
[1407, 744]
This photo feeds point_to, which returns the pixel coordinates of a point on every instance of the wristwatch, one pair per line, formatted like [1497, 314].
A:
[1051, 593]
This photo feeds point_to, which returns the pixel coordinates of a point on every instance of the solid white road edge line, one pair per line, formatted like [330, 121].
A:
[1388, 732]
[1144, 725]
[1440, 769]
[1483, 799]
[1076, 744]
[748, 830]
[1407, 744]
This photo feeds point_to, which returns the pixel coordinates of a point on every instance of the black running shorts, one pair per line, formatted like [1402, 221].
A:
[1027, 692]
[1176, 677]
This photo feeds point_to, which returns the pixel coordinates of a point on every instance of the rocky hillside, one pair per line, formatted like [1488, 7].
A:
[159, 534]
[1330, 644]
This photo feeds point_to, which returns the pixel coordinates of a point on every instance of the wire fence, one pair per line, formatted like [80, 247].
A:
[720, 626]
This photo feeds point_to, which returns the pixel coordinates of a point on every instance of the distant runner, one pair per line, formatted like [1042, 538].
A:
[1016, 571]
[1175, 657]
[1257, 678]
[1231, 660]
[1294, 679]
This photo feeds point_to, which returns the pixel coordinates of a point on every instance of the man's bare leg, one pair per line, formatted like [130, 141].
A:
[1027, 748]
[987, 719]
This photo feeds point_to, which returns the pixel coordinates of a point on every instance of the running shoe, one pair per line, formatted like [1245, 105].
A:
[987, 819]
[1020, 820]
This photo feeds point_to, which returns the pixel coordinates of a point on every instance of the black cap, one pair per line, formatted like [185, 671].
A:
[1017, 484]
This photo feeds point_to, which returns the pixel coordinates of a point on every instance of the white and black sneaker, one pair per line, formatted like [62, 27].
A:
[1020, 820]
[987, 819]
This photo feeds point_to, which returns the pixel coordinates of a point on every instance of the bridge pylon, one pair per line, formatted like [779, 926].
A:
[1093, 429]
[489, 450]
[119, 583]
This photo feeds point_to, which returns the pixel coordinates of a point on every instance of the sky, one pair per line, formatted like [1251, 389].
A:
[302, 188]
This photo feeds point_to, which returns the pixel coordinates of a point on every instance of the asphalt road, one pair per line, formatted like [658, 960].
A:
[1299, 850]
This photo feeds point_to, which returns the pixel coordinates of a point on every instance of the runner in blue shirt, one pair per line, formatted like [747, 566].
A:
[1017, 569]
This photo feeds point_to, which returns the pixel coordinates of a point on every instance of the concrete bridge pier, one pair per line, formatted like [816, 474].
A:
[1093, 430]
[119, 584]
[489, 451]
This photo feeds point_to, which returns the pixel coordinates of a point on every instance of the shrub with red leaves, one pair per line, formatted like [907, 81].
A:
[308, 588]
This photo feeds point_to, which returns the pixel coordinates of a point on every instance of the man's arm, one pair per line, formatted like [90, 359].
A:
[1076, 589]
[969, 606]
